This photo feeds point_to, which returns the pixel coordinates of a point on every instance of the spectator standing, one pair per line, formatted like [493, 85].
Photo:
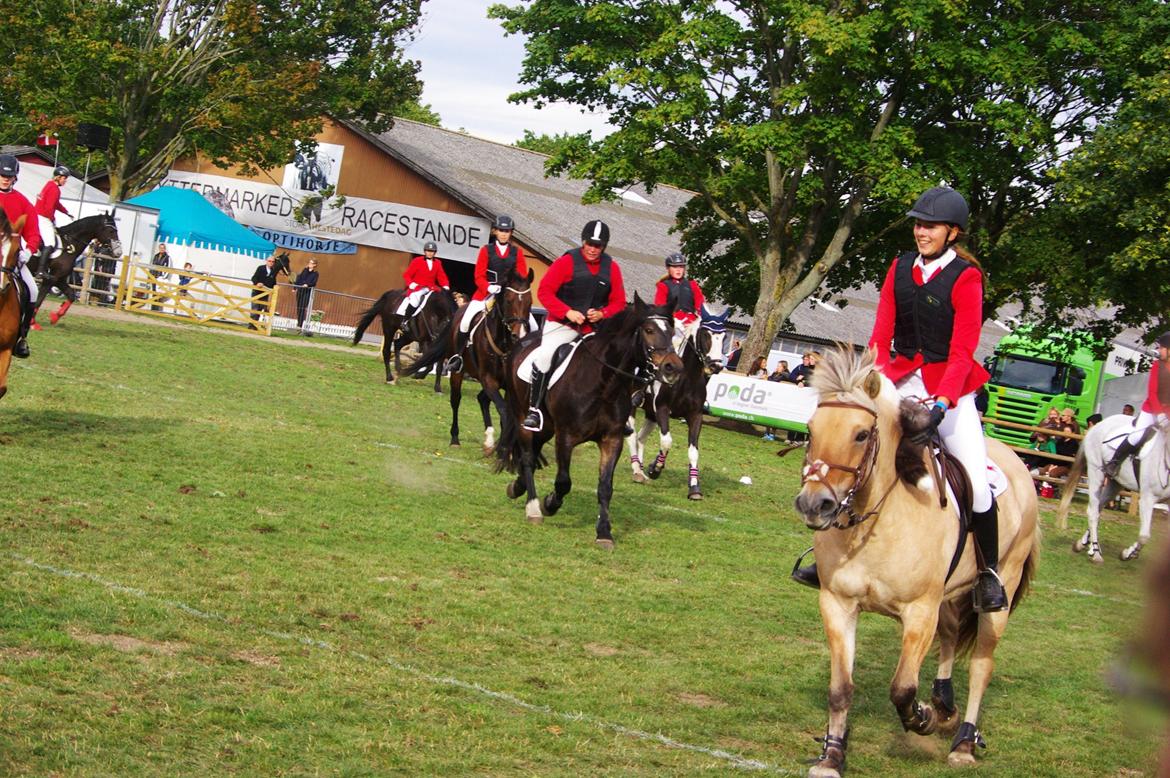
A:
[305, 283]
[265, 276]
[733, 357]
[1127, 410]
[161, 259]
[801, 374]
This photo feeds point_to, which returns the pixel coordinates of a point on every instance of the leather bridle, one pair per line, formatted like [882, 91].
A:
[818, 470]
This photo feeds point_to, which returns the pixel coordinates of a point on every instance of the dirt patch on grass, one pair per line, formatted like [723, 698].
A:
[700, 700]
[596, 649]
[257, 659]
[17, 654]
[129, 645]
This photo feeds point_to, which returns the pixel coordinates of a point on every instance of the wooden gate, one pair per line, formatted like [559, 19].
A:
[185, 295]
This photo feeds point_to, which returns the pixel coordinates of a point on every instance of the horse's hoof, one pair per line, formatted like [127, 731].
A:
[391, 382]
[654, 472]
[513, 492]
[605, 543]
[961, 756]
[640, 478]
[1080, 543]
[949, 725]
[1131, 553]
[54, 318]
[36, 326]
[454, 441]
[489, 451]
[823, 771]
[693, 493]
[532, 511]
[1097, 559]
[547, 508]
[929, 723]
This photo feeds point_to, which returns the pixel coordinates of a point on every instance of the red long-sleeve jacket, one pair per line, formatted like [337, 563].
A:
[418, 275]
[960, 374]
[482, 264]
[49, 201]
[662, 294]
[1153, 404]
[560, 273]
[16, 205]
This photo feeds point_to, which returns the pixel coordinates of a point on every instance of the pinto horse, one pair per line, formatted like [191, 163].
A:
[885, 545]
[589, 402]
[9, 295]
[75, 236]
[421, 328]
[1154, 487]
[684, 400]
[492, 337]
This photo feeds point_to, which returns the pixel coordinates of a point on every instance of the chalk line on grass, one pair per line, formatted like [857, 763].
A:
[439, 680]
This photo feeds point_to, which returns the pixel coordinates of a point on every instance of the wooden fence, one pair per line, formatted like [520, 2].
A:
[185, 295]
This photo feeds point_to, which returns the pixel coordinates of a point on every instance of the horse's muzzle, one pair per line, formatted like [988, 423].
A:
[817, 506]
[670, 369]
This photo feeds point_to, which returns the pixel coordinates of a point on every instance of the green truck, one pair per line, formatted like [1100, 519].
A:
[1030, 375]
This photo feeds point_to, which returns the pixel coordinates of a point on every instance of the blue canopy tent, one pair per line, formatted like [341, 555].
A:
[186, 218]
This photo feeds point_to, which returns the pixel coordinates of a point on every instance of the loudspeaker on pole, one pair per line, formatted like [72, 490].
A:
[94, 137]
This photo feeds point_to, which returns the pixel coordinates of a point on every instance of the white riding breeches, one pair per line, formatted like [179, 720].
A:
[682, 331]
[27, 276]
[552, 336]
[49, 235]
[473, 307]
[962, 434]
[415, 298]
[1143, 420]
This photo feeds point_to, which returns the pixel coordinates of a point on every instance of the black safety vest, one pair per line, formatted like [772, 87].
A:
[586, 290]
[681, 293]
[924, 315]
[1163, 383]
[498, 267]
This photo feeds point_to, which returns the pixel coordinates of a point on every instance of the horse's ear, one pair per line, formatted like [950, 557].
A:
[531, 275]
[873, 383]
[638, 304]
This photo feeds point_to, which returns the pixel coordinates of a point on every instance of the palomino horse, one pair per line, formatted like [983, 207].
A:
[491, 339]
[75, 236]
[685, 400]
[884, 545]
[422, 328]
[1096, 449]
[9, 295]
[589, 402]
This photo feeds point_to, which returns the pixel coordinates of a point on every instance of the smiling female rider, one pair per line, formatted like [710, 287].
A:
[931, 310]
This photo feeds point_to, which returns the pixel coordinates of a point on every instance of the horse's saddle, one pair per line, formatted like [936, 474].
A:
[560, 361]
[958, 491]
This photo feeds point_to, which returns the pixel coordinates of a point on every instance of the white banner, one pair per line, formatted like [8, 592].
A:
[360, 220]
[772, 404]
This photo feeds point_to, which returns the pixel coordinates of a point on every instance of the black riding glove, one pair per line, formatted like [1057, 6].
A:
[923, 436]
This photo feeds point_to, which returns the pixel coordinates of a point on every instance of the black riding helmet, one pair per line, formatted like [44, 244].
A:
[676, 259]
[941, 204]
[596, 231]
[504, 222]
[1163, 340]
[430, 245]
[61, 170]
[9, 166]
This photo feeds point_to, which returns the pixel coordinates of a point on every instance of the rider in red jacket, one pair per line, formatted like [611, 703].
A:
[1155, 409]
[49, 200]
[16, 205]
[686, 295]
[424, 274]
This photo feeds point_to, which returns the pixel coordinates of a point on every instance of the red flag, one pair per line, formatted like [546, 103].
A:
[45, 139]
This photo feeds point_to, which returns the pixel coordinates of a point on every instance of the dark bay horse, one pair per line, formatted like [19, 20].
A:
[484, 355]
[884, 544]
[75, 236]
[9, 294]
[590, 402]
[684, 400]
[422, 328]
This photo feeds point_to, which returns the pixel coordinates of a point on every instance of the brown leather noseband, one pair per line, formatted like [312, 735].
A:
[818, 470]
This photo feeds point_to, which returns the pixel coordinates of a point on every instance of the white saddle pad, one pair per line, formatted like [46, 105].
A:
[524, 370]
[995, 479]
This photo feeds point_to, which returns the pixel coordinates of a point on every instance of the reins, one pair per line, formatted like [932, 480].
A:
[818, 469]
[502, 352]
[648, 354]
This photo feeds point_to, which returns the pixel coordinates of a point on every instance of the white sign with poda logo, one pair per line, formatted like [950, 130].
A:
[783, 405]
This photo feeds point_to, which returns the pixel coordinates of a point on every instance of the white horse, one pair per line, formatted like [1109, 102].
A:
[1096, 449]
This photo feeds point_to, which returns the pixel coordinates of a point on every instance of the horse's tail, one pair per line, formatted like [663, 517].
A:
[435, 353]
[969, 619]
[368, 316]
[507, 446]
[1070, 484]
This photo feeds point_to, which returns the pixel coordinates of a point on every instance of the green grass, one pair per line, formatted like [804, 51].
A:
[226, 555]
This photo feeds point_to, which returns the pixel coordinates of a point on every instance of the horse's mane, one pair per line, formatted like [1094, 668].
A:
[842, 371]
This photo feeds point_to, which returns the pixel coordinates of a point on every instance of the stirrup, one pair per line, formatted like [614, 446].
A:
[534, 421]
[806, 575]
[988, 602]
[455, 364]
[20, 349]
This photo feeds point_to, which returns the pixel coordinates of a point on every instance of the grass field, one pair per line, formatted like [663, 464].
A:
[230, 555]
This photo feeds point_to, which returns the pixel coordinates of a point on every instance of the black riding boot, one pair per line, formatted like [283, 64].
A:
[1122, 453]
[989, 595]
[535, 419]
[455, 363]
[20, 349]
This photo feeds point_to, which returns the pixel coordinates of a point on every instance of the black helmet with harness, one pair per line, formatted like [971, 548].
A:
[596, 231]
[941, 204]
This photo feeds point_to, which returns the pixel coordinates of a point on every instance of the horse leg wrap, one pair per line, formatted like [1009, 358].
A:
[60, 312]
[832, 752]
[967, 738]
[693, 476]
[922, 720]
[942, 696]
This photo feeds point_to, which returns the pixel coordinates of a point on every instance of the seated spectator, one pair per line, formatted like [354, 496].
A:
[759, 368]
[781, 372]
[1127, 410]
[1044, 443]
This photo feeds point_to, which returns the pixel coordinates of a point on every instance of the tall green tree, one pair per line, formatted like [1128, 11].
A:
[238, 81]
[808, 127]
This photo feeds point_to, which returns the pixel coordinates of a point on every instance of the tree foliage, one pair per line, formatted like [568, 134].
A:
[551, 144]
[237, 81]
[809, 127]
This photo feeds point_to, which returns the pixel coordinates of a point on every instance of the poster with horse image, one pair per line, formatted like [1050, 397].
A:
[314, 169]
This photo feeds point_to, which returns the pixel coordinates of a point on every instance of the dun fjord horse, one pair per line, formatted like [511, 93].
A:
[685, 400]
[9, 295]
[483, 357]
[75, 236]
[590, 402]
[422, 328]
[884, 545]
[1096, 449]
